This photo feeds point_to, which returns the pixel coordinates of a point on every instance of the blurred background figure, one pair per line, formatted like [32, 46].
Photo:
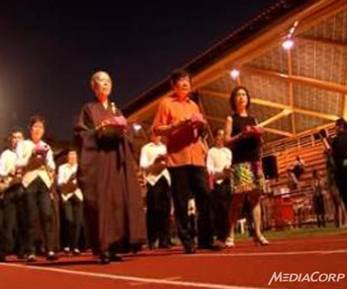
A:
[219, 168]
[339, 153]
[153, 161]
[295, 171]
[11, 195]
[317, 184]
[72, 202]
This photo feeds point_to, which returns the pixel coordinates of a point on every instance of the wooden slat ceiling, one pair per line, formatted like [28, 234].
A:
[292, 90]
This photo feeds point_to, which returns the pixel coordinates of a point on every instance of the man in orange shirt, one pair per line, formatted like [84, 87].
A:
[179, 120]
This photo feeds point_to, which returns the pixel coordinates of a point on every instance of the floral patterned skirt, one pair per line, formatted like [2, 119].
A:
[247, 177]
[247, 184]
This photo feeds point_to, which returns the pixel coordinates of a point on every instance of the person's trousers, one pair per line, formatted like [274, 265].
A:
[341, 183]
[190, 181]
[2, 229]
[158, 212]
[15, 219]
[73, 217]
[39, 212]
[319, 209]
[221, 199]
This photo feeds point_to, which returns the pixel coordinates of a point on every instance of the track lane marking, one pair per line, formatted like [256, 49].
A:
[131, 278]
[169, 278]
[317, 252]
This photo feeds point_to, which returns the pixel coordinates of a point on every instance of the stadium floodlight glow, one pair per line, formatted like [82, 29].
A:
[234, 73]
[137, 127]
[288, 43]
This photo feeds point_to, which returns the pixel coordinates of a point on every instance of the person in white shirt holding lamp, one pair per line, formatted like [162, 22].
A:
[153, 163]
[11, 212]
[218, 165]
[35, 157]
[72, 201]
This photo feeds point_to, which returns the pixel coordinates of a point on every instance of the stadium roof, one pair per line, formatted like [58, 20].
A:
[293, 90]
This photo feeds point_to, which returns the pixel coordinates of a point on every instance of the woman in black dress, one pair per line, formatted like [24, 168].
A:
[243, 135]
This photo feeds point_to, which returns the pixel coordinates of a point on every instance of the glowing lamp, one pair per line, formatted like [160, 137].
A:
[137, 127]
[288, 43]
[234, 74]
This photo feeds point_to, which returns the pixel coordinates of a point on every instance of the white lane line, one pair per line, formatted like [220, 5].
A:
[169, 278]
[130, 278]
[319, 252]
[173, 278]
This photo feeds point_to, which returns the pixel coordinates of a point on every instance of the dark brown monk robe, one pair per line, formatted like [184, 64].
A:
[107, 177]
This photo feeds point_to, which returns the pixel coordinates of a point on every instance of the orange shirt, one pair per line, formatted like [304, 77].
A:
[184, 146]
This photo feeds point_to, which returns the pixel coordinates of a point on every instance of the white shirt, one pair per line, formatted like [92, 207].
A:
[24, 151]
[149, 153]
[64, 173]
[8, 160]
[218, 159]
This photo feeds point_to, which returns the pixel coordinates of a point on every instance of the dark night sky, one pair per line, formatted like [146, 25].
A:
[48, 51]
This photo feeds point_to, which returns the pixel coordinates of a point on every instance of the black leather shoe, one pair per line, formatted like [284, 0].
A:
[116, 258]
[2, 258]
[104, 258]
[136, 248]
[190, 249]
[164, 245]
[212, 246]
[151, 246]
[21, 256]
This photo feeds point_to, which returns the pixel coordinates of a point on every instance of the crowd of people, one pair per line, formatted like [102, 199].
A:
[208, 189]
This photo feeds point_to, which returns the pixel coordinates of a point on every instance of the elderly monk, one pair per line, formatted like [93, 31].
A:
[107, 175]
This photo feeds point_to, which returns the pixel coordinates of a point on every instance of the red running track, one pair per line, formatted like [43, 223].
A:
[245, 266]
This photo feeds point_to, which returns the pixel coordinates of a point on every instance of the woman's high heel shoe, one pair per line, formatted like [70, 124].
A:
[261, 241]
